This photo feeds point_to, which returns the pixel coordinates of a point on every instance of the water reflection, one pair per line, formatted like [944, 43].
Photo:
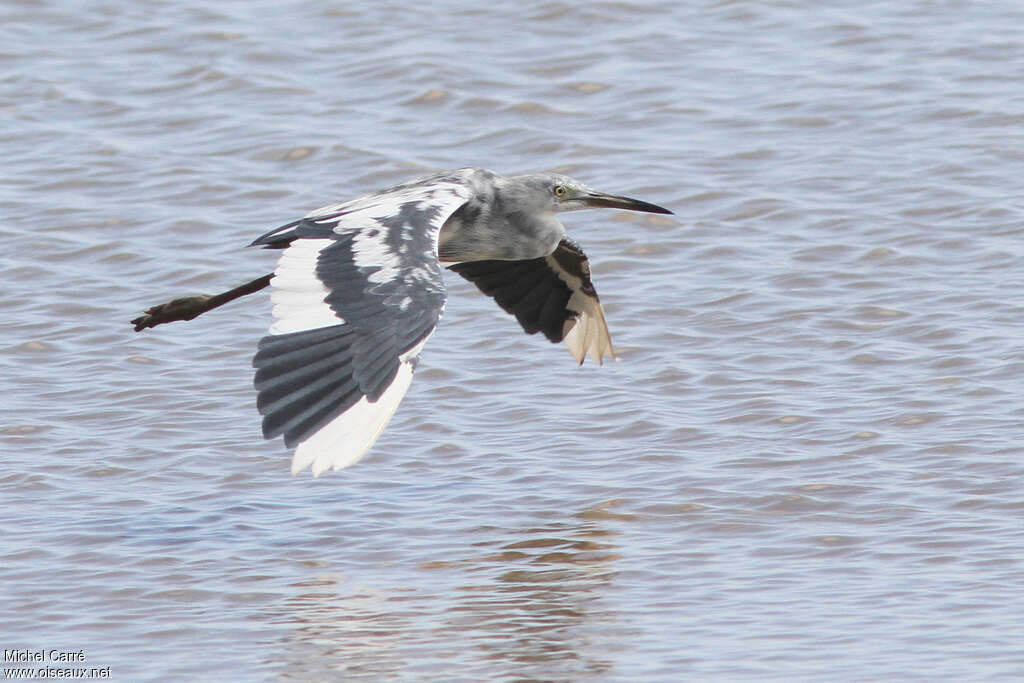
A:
[524, 602]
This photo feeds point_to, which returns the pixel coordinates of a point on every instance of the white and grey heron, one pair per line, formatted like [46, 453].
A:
[358, 290]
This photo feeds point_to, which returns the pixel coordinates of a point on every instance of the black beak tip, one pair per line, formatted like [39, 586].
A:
[627, 203]
[647, 207]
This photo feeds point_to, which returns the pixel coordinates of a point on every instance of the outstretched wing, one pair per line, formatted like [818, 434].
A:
[357, 292]
[553, 295]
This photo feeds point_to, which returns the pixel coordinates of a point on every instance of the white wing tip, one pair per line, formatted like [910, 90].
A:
[588, 335]
[348, 437]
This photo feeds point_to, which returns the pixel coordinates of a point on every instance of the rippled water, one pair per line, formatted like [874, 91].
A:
[807, 464]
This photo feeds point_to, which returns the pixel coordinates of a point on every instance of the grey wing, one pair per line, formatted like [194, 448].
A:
[553, 295]
[357, 292]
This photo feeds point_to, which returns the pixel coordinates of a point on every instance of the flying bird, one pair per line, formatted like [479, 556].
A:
[358, 290]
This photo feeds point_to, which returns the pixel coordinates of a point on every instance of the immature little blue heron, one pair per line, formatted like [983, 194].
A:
[358, 291]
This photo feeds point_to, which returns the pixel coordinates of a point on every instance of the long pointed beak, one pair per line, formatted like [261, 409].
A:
[611, 201]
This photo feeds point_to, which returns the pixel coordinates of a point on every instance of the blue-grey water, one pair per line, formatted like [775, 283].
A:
[807, 464]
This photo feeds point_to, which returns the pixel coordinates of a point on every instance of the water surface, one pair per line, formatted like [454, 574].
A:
[806, 465]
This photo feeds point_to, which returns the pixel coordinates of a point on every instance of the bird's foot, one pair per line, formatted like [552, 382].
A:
[184, 308]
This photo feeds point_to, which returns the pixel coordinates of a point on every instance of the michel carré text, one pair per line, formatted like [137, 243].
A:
[28, 655]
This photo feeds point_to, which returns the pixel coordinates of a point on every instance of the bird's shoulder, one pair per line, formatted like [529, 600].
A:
[423, 203]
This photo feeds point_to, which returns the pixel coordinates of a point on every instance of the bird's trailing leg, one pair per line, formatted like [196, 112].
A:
[189, 307]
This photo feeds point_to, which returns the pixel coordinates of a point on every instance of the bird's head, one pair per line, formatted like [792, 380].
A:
[556, 193]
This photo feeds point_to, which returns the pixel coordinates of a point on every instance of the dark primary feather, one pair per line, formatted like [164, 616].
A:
[304, 380]
[532, 290]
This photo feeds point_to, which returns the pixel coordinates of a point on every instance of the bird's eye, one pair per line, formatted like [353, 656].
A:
[560, 190]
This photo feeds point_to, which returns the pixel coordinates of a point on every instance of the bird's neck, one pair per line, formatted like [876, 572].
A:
[483, 229]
